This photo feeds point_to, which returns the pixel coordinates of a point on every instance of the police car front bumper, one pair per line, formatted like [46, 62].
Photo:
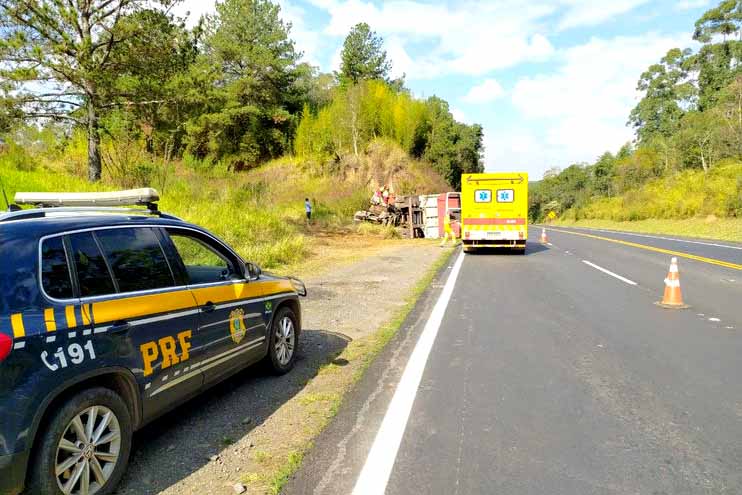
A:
[13, 472]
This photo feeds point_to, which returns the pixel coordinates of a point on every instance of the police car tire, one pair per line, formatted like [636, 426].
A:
[271, 360]
[41, 472]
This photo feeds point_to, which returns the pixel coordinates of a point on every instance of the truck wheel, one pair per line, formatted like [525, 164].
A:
[283, 342]
[85, 446]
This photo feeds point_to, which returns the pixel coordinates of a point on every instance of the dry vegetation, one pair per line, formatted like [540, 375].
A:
[260, 212]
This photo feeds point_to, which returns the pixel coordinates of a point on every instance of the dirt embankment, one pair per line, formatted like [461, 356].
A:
[251, 431]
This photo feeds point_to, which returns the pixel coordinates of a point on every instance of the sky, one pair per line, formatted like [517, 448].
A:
[551, 81]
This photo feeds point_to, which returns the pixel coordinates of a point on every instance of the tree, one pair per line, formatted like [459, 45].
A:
[729, 112]
[666, 91]
[603, 173]
[57, 56]
[716, 62]
[699, 132]
[363, 56]
[148, 66]
[246, 84]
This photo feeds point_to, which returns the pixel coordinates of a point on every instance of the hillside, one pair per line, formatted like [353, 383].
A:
[683, 171]
[259, 212]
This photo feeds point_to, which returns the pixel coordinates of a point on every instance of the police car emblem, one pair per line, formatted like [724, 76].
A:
[237, 325]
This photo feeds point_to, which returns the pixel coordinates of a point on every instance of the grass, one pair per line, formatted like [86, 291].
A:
[260, 212]
[726, 229]
[264, 224]
[293, 462]
[677, 196]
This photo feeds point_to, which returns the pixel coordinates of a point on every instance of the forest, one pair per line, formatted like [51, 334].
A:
[128, 85]
[686, 158]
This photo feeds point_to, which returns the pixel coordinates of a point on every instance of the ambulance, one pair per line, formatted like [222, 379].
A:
[494, 211]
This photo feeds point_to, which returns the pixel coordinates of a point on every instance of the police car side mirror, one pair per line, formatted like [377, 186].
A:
[252, 271]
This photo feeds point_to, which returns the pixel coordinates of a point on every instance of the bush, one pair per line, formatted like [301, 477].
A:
[686, 194]
[16, 157]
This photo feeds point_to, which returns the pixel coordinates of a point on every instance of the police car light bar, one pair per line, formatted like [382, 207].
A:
[140, 197]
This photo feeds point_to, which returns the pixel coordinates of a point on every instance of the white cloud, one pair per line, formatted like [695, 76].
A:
[308, 40]
[691, 4]
[489, 90]
[195, 9]
[471, 38]
[583, 106]
[458, 115]
[591, 12]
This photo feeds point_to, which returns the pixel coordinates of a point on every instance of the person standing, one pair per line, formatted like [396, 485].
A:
[308, 209]
[448, 231]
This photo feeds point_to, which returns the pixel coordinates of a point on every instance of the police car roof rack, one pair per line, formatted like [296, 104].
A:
[106, 202]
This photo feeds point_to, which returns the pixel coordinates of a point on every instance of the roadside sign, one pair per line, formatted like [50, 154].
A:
[552, 215]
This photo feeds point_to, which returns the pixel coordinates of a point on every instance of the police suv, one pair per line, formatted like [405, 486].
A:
[110, 317]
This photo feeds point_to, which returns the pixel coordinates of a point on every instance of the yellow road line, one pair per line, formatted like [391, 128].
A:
[712, 261]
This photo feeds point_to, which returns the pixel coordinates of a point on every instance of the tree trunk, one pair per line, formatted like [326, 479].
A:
[703, 161]
[94, 161]
[354, 131]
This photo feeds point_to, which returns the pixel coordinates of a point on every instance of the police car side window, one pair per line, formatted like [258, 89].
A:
[93, 276]
[136, 259]
[55, 273]
[203, 262]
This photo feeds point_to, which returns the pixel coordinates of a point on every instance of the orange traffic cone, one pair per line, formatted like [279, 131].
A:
[544, 239]
[673, 297]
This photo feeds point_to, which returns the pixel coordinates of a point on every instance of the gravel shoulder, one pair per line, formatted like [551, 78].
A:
[249, 433]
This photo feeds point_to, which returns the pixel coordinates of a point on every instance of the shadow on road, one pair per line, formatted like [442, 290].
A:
[182, 441]
[532, 248]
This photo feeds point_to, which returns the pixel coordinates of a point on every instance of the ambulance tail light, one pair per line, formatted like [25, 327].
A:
[6, 343]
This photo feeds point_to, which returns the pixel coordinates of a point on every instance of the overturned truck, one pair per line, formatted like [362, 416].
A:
[414, 216]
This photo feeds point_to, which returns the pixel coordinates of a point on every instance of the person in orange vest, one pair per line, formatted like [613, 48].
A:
[448, 231]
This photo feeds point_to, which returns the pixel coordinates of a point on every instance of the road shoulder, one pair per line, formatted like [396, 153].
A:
[253, 430]
[340, 451]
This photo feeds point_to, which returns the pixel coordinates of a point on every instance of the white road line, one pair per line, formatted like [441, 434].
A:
[663, 238]
[622, 279]
[380, 461]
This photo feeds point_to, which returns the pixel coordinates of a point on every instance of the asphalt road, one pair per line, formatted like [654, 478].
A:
[550, 376]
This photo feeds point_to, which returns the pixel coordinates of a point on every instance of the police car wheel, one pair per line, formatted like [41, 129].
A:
[283, 342]
[85, 447]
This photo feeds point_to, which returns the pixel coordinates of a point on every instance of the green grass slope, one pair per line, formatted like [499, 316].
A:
[259, 212]
[689, 203]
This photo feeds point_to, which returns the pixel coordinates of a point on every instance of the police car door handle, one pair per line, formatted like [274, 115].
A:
[120, 327]
[208, 307]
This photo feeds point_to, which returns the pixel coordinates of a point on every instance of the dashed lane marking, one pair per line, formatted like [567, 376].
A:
[703, 259]
[608, 272]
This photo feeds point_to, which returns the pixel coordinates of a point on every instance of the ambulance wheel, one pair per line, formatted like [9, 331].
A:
[283, 342]
[85, 446]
